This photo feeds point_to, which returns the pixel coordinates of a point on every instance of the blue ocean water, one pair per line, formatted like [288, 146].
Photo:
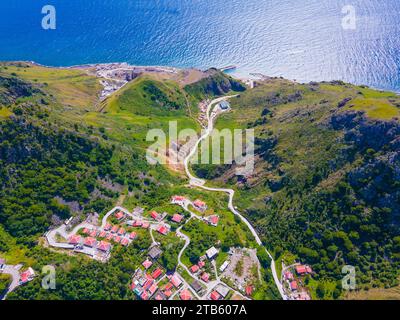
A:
[297, 39]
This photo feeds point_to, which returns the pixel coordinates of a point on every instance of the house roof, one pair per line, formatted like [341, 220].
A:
[114, 229]
[168, 293]
[74, 239]
[153, 289]
[145, 225]
[119, 215]
[194, 268]
[121, 231]
[107, 227]
[154, 215]
[199, 203]
[117, 239]
[201, 264]
[86, 231]
[176, 281]
[162, 229]
[185, 294]
[249, 290]
[102, 234]
[211, 252]
[144, 296]
[177, 218]
[215, 295]
[155, 252]
[104, 246]
[109, 236]
[90, 242]
[178, 198]
[124, 242]
[93, 233]
[147, 264]
[137, 223]
[300, 269]
[214, 219]
[205, 277]
[293, 285]
[196, 285]
[156, 273]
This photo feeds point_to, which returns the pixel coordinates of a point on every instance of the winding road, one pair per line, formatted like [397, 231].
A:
[14, 273]
[200, 183]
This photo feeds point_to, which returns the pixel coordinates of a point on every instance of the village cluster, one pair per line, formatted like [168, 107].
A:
[151, 281]
[293, 280]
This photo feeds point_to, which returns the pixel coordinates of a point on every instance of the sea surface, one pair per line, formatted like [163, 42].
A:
[296, 39]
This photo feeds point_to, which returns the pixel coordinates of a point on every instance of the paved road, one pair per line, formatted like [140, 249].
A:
[14, 273]
[200, 183]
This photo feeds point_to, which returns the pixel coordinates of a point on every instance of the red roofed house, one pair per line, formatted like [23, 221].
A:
[194, 268]
[213, 220]
[109, 236]
[156, 273]
[93, 234]
[205, 277]
[102, 234]
[177, 218]
[153, 289]
[124, 242]
[168, 293]
[132, 235]
[145, 225]
[27, 276]
[200, 205]
[86, 231]
[176, 281]
[178, 200]
[114, 229]
[201, 264]
[107, 227]
[121, 231]
[74, 239]
[163, 230]
[288, 275]
[144, 296]
[215, 295]
[90, 242]
[302, 269]
[104, 246]
[147, 264]
[137, 223]
[293, 286]
[119, 215]
[249, 290]
[154, 215]
[117, 239]
[159, 297]
[185, 295]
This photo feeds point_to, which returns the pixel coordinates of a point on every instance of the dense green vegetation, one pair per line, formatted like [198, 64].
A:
[326, 183]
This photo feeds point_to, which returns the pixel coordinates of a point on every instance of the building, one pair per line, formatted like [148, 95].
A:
[102, 234]
[211, 253]
[196, 286]
[155, 252]
[205, 277]
[26, 276]
[180, 200]
[303, 269]
[108, 227]
[185, 295]
[117, 239]
[155, 215]
[156, 273]
[177, 218]
[176, 282]
[90, 242]
[119, 215]
[293, 286]
[215, 296]
[104, 246]
[249, 291]
[114, 229]
[213, 220]
[86, 231]
[147, 264]
[194, 268]
[145, 225]
[93, 234]
[121, 231]
[224, 105]
[74, 239]
[124, 242]
[222, 290]
[201, 264]
[162, 230]
[200, 205]
[224, 266]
